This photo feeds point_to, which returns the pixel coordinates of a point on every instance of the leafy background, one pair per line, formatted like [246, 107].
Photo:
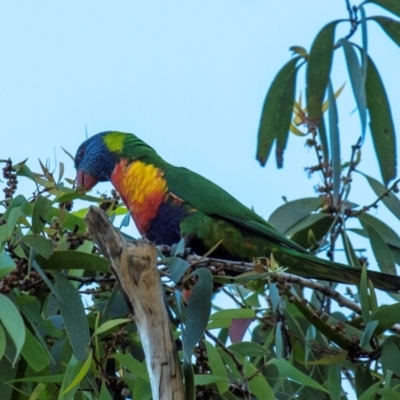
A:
[60, 75]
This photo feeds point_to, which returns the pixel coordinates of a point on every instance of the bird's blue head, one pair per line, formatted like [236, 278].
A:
[95, 160]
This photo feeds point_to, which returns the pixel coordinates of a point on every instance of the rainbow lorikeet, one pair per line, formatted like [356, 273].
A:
[168, 203]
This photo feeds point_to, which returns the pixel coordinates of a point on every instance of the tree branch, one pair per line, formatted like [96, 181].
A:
[242, 267]
[135, 267]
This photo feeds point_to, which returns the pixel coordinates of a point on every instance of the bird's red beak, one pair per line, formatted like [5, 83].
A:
[85, 181]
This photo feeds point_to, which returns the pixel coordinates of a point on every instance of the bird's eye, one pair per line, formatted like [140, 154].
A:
[79, 155]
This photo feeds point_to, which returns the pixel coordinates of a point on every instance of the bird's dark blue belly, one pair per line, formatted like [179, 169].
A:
[164, 228]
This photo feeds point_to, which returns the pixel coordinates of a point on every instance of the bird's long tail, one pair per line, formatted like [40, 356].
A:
[310, 266]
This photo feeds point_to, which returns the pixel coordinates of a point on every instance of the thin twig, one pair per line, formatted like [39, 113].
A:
[375, 203]
[90, 279]
[352, 18]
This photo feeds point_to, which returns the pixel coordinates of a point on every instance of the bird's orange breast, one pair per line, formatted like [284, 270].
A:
[142, 187]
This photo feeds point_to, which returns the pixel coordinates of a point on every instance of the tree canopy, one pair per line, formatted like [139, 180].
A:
[66, 330]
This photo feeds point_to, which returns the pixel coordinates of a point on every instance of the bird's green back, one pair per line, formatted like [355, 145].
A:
[212, 200]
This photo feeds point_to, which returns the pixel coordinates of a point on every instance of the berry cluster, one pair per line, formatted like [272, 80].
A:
[11, 176]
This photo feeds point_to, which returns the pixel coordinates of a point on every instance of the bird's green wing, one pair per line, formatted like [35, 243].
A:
[212, 200]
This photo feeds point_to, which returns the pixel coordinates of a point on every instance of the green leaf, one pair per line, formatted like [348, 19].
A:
[324, 140]
[33, 352]
[357, 80]
[310, 337]
[73, 368]
[104, 393]
[45, 379]
[217, 367]
[39, 389]
[13, 219]
[16, 202]
[177, 267]
[86, 247]
[274, 295]
[42, 245]
[13, 323]
[388, 199]
[249, 349]
[208, 379]
[276, 113]
[364, 298]
[142, 390]
[382, 253]
[381, 123]
[7, 264]
[134, 366]
[80, 375]
[40, 214]
[74, 317]
[188, 374]
[317, 224]
[365, 384]
[180, 248]
[278, 341]
[390, 356]
[233, 313]
[198, 310]
[7, 374]
[329, 360]
[3, 341]
[364, 40]
[42, 274]
[351, 255]
[110, 325]
[334, 382]
[71, 259]
[292, 212]
[260, 388]
[334, 141]
[3, 233]
[373, 301]
[390, 26]
[68, 220]
[290, 371]
[390, 5]
[318, 70]
[386, 316]
[125, 221]
[368, 333]
[390, 236]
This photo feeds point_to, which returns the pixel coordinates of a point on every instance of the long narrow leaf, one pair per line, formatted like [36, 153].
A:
[13, 323]
[390, 26]
[318, 70]
[217, 367]
[75, 320]
[381, 123]
[390, 5]
[357, 79]
[290, 371]
[334, 139]
[323, 137]
[276, 113]
[198, 311]
[388, 199]
[382, 253]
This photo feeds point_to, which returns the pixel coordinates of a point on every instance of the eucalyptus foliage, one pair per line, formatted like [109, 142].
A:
[66, 331]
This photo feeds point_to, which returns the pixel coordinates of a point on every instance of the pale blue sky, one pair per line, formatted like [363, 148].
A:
[188, 77]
